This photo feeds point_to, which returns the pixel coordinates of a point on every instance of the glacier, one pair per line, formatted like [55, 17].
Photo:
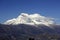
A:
[31, 19]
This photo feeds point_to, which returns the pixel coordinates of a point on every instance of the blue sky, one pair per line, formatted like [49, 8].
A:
[12, 8]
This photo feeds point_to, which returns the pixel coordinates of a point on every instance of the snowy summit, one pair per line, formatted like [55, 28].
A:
[31, 19]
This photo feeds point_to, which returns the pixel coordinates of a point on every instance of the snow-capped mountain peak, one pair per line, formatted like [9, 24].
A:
[31, 19]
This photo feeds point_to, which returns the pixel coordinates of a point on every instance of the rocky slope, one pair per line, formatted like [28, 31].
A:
[24, 32]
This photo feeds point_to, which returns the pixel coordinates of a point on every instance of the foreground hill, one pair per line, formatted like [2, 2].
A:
[29, 32]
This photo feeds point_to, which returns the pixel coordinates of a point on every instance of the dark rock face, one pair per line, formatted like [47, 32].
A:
[29, 32]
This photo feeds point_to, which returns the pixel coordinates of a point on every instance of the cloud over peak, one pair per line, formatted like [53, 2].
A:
[31, 19]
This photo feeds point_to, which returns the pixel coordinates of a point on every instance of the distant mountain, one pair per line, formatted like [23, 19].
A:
[30, 27]
[31, 19]
[29, 32]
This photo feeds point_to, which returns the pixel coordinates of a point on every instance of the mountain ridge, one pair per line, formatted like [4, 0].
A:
[24, 32]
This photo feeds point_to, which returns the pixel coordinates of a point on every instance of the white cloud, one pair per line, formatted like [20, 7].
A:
[31, 19]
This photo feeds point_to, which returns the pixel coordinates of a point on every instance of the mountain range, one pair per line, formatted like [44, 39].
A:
[30, 27]
[24, 32]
